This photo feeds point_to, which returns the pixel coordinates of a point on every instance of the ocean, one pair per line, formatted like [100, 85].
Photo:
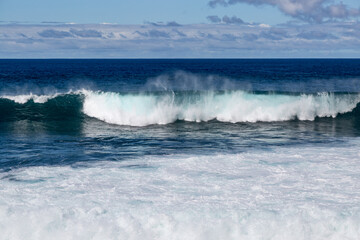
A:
[180, 149]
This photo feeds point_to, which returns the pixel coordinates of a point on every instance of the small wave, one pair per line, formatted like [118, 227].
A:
[27, 97]
[40, 107]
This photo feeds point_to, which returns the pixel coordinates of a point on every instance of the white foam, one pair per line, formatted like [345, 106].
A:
[237, 106]
[298, 193]
[22, 99]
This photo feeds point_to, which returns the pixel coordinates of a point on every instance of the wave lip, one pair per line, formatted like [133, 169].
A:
[234, 107]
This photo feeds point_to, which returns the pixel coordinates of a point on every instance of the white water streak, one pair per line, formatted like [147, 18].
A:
[22, 99]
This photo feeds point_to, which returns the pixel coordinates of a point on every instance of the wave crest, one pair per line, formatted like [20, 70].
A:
[22, 99]
[234, 107]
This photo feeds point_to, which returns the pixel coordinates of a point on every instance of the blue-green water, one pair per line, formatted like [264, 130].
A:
[180, 149]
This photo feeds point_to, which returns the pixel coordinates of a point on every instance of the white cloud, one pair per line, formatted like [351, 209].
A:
[308, 10]
[201, 40]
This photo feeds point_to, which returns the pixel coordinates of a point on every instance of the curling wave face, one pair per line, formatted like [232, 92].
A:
[142, 109]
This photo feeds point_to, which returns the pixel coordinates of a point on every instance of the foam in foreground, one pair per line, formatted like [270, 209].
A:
[297, 193]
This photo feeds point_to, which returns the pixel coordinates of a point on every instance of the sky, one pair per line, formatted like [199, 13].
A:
[179, 29]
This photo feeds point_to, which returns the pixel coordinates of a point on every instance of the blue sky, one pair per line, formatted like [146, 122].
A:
[172, 28]
[130, 12]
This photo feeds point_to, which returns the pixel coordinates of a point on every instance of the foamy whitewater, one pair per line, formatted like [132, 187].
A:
[180, 149]
[239, 106]
[297, 193]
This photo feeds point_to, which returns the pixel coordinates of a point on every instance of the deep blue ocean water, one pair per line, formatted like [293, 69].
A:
[180, 148]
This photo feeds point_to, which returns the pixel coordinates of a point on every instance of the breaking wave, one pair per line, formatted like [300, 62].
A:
[142, 109]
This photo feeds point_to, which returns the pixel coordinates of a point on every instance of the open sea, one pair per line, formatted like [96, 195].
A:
[180, 149]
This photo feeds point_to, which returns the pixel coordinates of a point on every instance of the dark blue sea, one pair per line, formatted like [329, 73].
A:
[180, 149]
